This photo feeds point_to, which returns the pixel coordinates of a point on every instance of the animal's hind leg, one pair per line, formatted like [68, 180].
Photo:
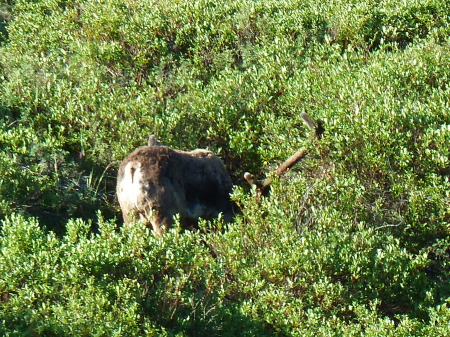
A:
[159, 222]
[156, 225]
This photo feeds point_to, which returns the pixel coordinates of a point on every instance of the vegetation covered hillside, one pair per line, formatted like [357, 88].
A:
[354, 241]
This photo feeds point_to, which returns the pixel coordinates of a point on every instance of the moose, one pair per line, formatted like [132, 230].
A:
[156, 182]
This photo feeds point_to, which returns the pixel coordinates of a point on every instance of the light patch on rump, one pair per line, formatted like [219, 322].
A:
[130, 188]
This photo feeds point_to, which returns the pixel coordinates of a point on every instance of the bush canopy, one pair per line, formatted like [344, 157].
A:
[353, 241]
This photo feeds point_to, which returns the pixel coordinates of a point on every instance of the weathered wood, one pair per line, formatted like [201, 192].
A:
[262, 188]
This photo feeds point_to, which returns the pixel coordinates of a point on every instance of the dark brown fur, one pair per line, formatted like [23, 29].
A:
[155, 183]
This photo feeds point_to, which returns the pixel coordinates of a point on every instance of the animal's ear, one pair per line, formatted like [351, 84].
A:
[153, 141]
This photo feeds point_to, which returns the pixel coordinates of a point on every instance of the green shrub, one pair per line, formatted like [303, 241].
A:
[118, 283]
[352, 241]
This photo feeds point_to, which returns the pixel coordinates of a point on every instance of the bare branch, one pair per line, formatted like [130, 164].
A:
[316, 132]
[251, 180]
[291, 161]
[308, 121]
